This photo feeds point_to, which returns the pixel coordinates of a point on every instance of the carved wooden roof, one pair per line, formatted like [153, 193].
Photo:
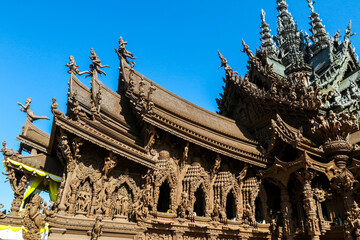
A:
[181, 118]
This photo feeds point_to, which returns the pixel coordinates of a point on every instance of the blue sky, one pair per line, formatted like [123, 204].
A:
[175, 43]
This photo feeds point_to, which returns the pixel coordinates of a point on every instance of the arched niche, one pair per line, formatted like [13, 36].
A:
[230, 206]
[273, 193]
[261, 207]
[200, 202]
[163, 204]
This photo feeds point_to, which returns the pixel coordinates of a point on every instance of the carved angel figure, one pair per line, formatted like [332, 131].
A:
[122, 52]
[96, 63]
[73, 68]
[30, 114]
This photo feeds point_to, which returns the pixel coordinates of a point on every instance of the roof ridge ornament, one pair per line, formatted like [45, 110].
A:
[125, 54]
[29, 113]
[349, 32]
[73, 68]
[96, 65]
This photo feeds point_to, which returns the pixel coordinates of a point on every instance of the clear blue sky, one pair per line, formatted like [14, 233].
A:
[176, 44]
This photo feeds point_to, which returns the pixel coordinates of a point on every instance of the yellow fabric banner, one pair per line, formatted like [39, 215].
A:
[53, 190]
[33, 185]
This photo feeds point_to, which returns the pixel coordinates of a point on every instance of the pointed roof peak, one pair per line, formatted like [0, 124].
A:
[319, 36]
[267, 43]
[263, 13]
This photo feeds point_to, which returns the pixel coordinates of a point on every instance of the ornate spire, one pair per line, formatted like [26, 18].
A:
[285, 20]
[320, 37]
[289, 41]
[267, 43]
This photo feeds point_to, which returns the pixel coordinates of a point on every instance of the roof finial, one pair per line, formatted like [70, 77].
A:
[267, 43]
[348, 31]
[311, 5]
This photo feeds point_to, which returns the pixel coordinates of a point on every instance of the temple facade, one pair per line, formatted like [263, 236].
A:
[279, 160]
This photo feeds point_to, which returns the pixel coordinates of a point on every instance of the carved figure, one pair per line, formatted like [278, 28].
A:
[183, 209]
[6, 152]
[84, 198]
[218, 214]
[185, 155]
[110, 164]
[33, 219]
[3, 213]
[149, 178]
[311, 5]
[337, 36]
[96, 231]
[216, 165]
[152, 135]
[122, 52]
[78, 112]
[29, 113]
[348, 32]
[96, 64]
[73, 68]
[54, 108]
[123, 204]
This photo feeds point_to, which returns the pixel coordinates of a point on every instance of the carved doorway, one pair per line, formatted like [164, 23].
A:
[230, 206]
[164, 197]
[199, 205]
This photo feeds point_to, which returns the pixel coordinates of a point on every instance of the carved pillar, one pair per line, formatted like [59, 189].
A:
[311, 211]
[286, 211]
[72, 201]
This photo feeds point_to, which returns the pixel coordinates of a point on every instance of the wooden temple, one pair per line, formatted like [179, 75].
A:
[280, 159]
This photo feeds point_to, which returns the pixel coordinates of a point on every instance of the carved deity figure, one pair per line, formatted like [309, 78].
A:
[33, 219]
[183, 208]
[217, 164]
[29, 113]
[110, 164]
[84, 199]
[122, 203]
[96, 63]
[73, 68]
[348, 32]
[97, 228]
[149, 178]
[185, 155]
[54, 108]
[78, 112]
[218, 213]
[122, 52]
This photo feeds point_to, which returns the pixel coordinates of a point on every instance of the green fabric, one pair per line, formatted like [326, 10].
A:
[53, 190]
[35, 182]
